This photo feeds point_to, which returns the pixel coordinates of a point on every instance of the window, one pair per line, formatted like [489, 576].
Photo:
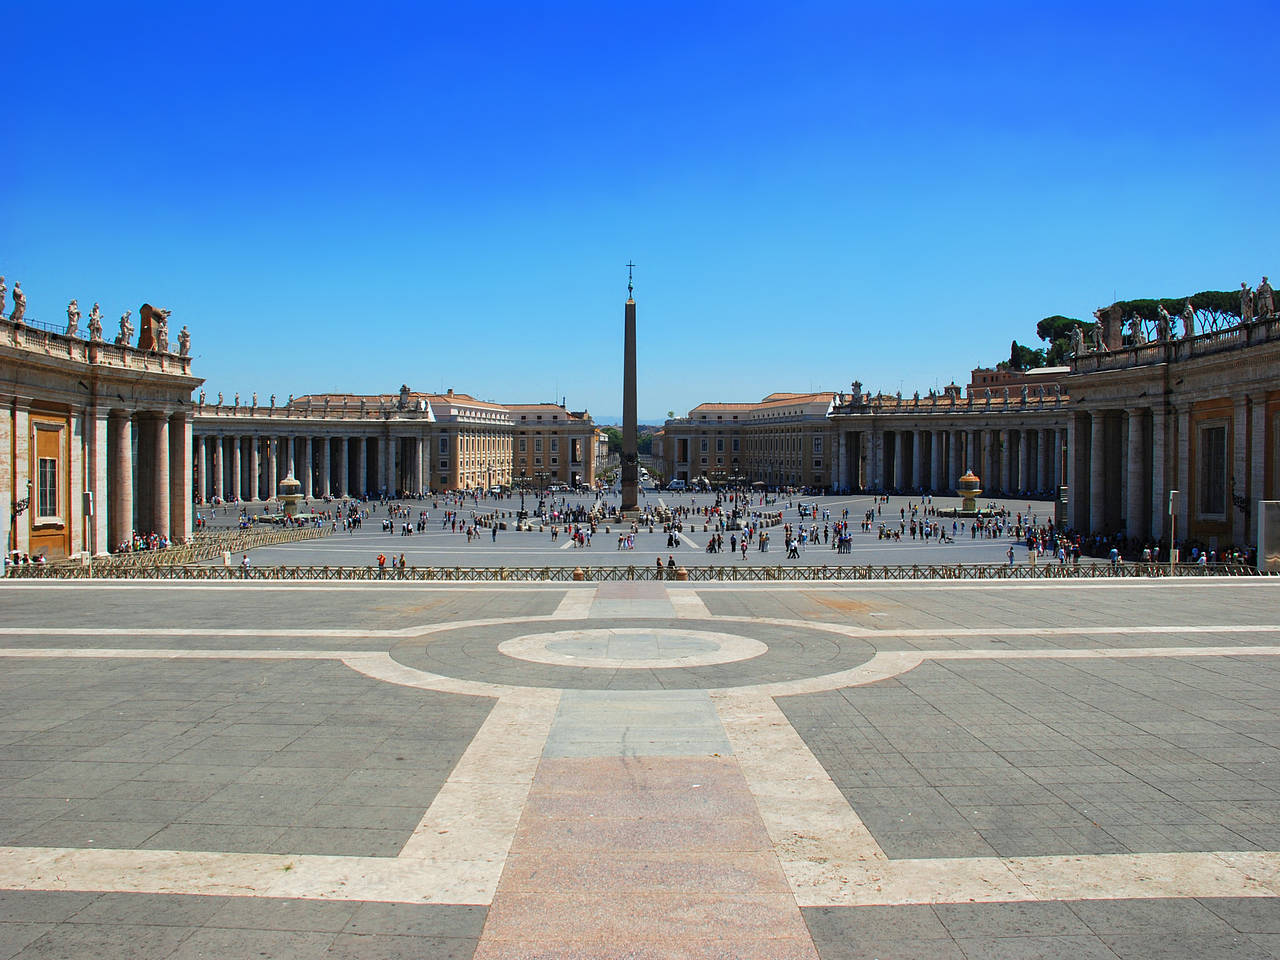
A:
[522, 444]
[817, 444]
[817, 464]
[555, 444]
[735, 444]
[555, 461]
[1213, 470]
[704, 446]
[537, 444]
[719, 444]
[444, 444]
[704, 461]
[47, 491]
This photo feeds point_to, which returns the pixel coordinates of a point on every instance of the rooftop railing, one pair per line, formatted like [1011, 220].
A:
[45, 339]
[1213, 342]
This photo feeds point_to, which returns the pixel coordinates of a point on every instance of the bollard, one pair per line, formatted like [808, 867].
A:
[577, 573]
[682, 574]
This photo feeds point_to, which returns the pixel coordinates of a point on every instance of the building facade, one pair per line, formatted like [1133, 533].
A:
[553, 445]
[858, 441]
[1198, 414]
[96, 441]
[347, 445]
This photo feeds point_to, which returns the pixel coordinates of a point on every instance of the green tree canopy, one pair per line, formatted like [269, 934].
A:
[1022, 358]
[615, 439]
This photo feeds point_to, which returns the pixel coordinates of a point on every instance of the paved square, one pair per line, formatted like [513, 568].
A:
[1006, 769]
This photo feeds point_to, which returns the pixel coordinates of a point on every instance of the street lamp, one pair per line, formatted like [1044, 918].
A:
[522, 486]
[1173, 519]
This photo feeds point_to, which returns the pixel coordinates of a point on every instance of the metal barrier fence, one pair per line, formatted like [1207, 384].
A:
[952, 571]
[203, 546]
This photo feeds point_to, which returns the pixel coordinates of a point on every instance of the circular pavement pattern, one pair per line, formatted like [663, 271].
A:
[639, 654]
[632, 648]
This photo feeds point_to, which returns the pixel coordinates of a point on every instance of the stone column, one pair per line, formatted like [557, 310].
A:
[1075, 513]
[305, 467]
[121, 484]
[180, 477]
[1258, 466]
[392, 475]
[326, 451]
[1022, 484]
[1159, 487]
[362, 467]
[1136, 522]
[342, 490]
[237, 469]
[273, 467]
[842, 468]
[917, 459]
[1097, 478]
[1005, 453]
[96, 481]
[202, 468]
[875, 459]
[215, 444]
[1047, 460]
[938, 482]
[899, 459]
[1238, 478]
[1183, 483]
[160, 491]
[255, 468]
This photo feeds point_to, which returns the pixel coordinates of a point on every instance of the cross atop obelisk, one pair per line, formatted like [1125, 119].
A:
[630, 453]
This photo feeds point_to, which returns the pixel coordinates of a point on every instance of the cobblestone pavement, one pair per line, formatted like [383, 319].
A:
[970, 770]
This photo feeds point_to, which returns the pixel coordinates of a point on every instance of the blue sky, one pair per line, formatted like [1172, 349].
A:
[354, 197]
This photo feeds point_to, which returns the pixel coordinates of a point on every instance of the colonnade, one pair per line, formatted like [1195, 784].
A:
[235, 467]
[1008, 460]
[1124, 463]
[137, 465]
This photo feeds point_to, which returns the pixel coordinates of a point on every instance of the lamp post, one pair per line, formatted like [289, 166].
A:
[522, 486]
[1173, 520]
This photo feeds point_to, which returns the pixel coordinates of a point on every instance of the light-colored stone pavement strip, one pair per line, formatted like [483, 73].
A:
[885, 665]
[804, 811]
[576, 604]
[474, 816]
[390, 879]
[687, 604]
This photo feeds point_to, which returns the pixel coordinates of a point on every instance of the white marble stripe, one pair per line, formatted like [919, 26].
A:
[824, 883]
[391, 879]
[885, 665]
[576, 604]
[574, 601]
[474, 817]
[802, 808]
[154, 653]
[687, 604]
[815, 882]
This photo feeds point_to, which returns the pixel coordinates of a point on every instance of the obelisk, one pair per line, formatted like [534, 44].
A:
[630, 454]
